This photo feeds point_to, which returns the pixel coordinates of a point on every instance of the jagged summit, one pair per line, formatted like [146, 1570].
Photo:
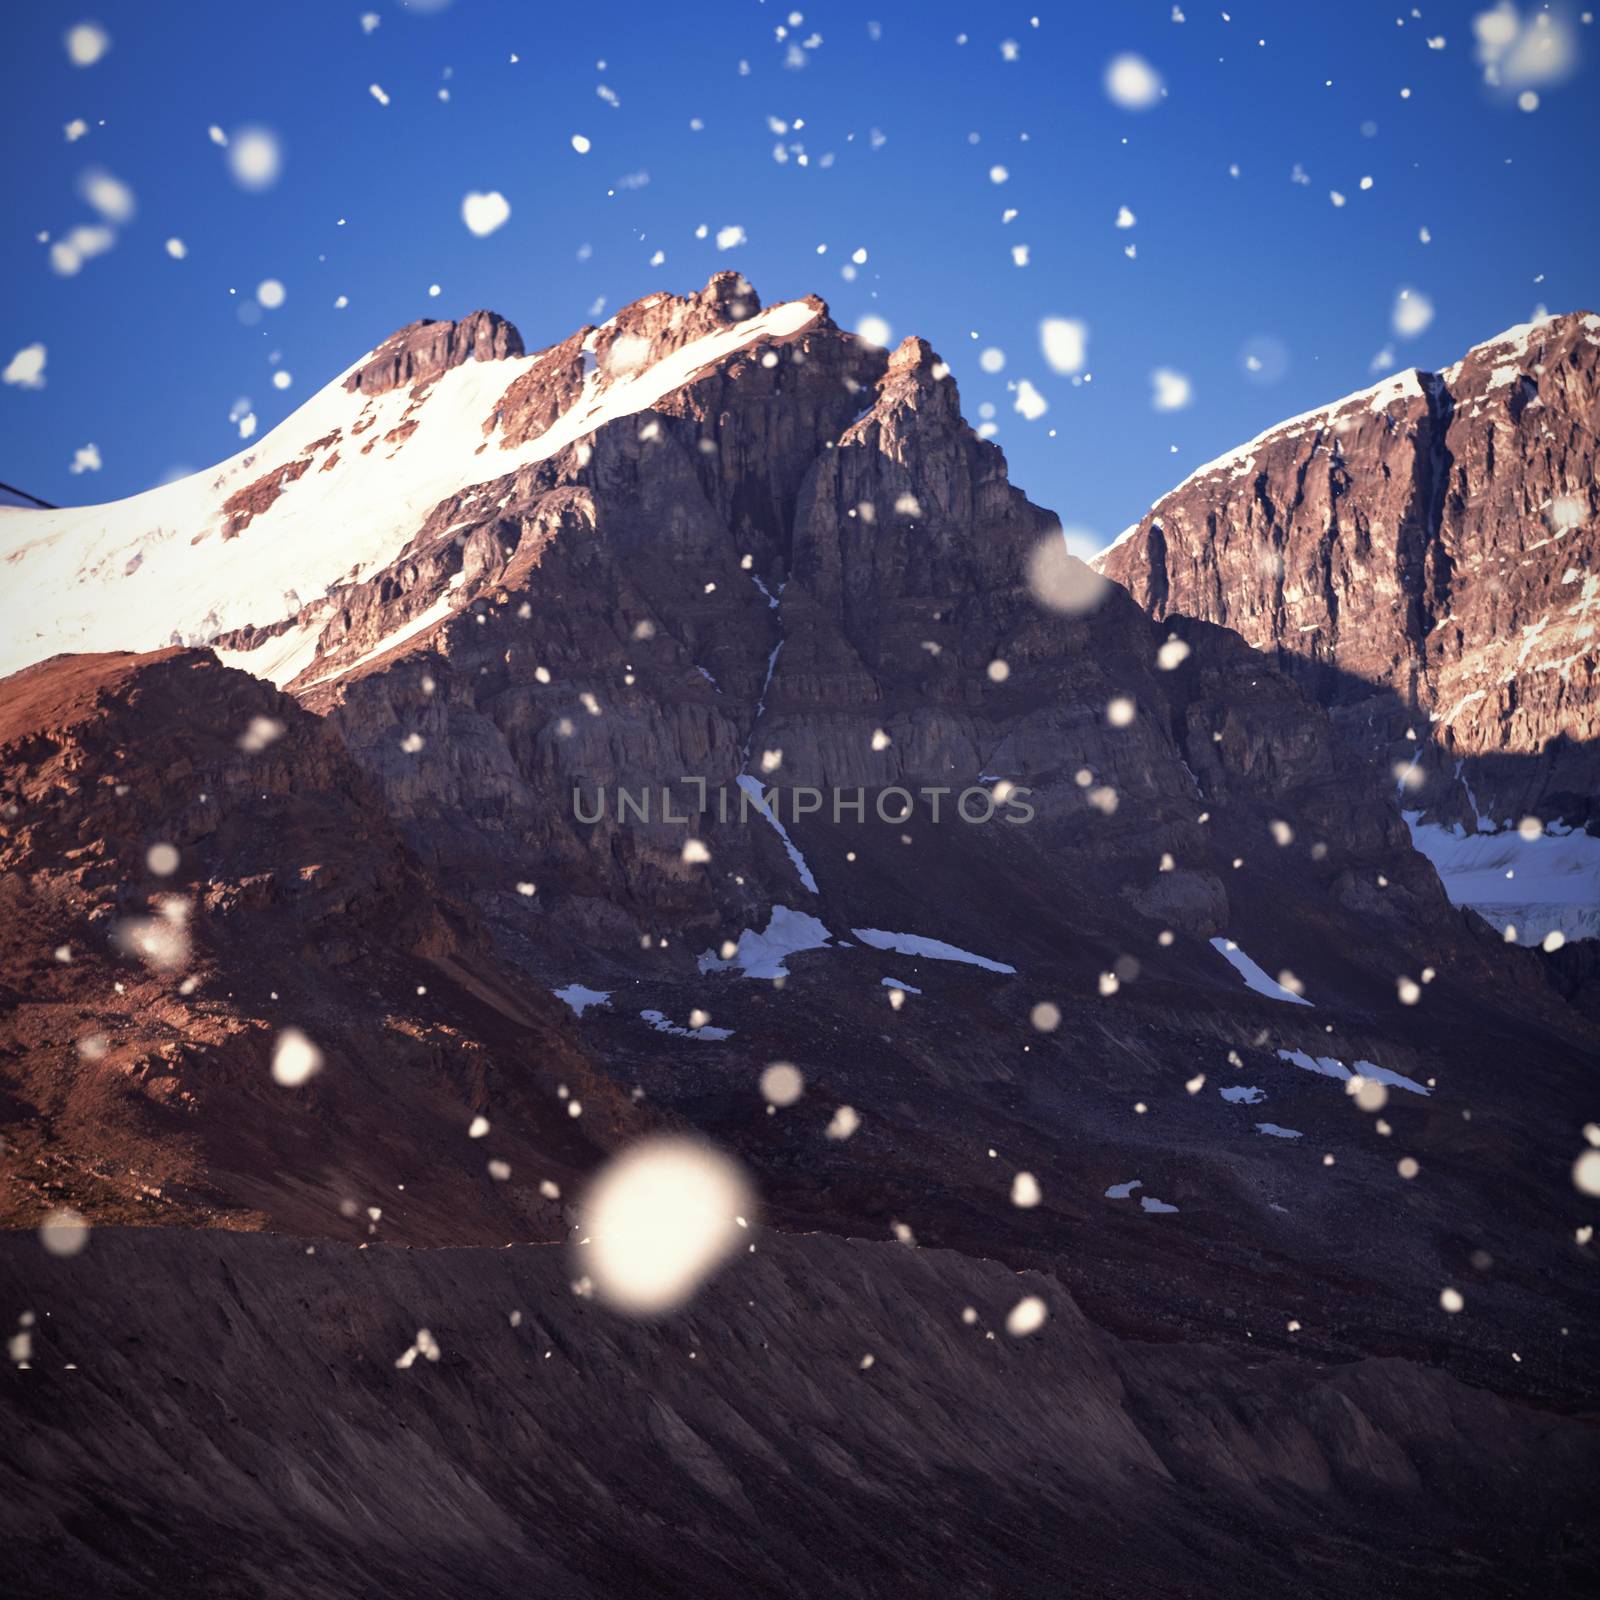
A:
[918, 377]
[422, 350]
[434, 410]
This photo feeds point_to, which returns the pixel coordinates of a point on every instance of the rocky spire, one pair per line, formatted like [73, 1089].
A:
[422, 350]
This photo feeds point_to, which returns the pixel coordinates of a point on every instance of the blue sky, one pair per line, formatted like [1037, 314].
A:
[147, 355]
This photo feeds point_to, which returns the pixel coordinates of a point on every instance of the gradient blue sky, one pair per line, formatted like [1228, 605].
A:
[148, 355]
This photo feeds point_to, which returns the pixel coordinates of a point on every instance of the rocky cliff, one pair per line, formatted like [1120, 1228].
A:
[1422, 558]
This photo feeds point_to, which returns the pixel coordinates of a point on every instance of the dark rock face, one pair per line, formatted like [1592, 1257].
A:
[743, 1447]
[420, 351]
[798, 569]
[787, 559]
[1421, 556]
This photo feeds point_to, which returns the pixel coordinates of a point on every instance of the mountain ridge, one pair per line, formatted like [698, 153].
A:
[1421, 556]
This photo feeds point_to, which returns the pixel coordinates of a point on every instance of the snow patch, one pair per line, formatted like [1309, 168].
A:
[581, 998]
[914, 944]
[752, 787]
[762, 955]
[1253, 976]
[1547, 884]
[1332, 1067]
[1124, 1191]
[663, 1024]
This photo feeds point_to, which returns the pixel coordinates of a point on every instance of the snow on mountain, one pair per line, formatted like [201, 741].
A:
[762, 955]
[580, 997]
[1333, 1067]
[1253, 975]
[1527, 888]
[916, 944]
[328, 498]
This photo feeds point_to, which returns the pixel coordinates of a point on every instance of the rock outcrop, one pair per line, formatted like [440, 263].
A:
[421, 351]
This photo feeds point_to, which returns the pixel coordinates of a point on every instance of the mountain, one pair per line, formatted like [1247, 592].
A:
[1147, 993]
[436, 408]
[146, 998]
[1422, 558]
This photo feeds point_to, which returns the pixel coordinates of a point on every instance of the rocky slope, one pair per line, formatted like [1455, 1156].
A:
[1422, 558]
[823, 1420]
[1205, 995]
[145, 997]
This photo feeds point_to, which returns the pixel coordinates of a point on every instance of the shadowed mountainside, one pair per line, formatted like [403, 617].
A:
[742, 1447]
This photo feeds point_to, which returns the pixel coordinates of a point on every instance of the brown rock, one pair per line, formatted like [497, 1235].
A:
[422, 350]
[1420, 556]
[139, 1052]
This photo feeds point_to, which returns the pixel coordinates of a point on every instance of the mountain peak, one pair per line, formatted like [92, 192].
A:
[423, 350]
[731, 290]
[1420, 555]
[916, 373]
[333, 494]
